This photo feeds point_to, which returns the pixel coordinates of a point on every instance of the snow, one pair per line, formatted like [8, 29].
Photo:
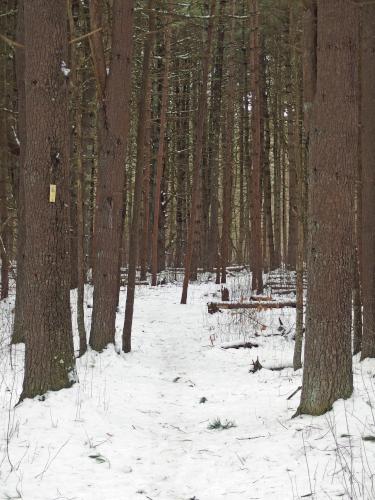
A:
[65, 69]
[135, 427]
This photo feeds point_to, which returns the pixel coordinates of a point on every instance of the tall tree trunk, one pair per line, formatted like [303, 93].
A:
[368, 178]
[114, 115]
[198, 146]
[327, 372]
[4, 160]
[214, 131]
[357, 268]
[144, 134]
[267, 176]
[183, 130]
[133, 236]
[18, 329]
[49, 356]
[161, 147]
[228, 149]
[299, 164]
[292, 144]
[79, 265]
[256, 168]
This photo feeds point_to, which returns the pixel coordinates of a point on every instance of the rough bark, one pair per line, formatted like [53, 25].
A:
[133, 236]
[18, 333]
[228, 165]
[49, 356]
[113, 125]
[214, 131]
[333, 158]
[198, 146]
[368, 178]
[76, 98]
[161, 149]
[144, 134]
[256, 167]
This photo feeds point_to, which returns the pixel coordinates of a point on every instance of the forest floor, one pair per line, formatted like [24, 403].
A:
[136, 426]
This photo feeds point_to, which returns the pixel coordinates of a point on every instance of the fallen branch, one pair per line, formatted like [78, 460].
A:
[239, 345]
[216, 306]
[294, 393]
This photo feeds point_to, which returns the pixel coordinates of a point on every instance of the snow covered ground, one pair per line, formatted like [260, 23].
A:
[136, 426]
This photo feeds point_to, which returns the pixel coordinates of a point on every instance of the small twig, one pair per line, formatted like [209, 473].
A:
[11, 43]
[294, 393]
[82, 37]
[249, 438]
[49, 461]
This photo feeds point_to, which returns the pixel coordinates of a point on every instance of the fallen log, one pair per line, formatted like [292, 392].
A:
[216, 306]
[239, 345]
[125, 282]
[261, 298]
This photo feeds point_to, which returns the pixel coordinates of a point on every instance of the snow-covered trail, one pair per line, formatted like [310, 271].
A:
[135, 427]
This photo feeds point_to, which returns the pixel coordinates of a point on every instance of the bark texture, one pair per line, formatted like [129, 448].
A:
[333, 158]
[368, 179]
[49, 357]
[256, 167]
[114, 110]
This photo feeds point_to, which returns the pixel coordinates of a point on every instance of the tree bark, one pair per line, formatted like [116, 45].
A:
[49, 356]
[256, 168]
[133, 236]
[77, 153]
[18, 330]
[228, 149]
[368, 178]
[161, 147]
[114, 116]
[198, 145]
[144, 134]
[333, 158]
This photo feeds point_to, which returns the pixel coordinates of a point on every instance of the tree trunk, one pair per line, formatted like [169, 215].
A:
[198, 145]
[79, 265]
[18, 329]
[228, 149]
[144, 134]
[368, 178]
[133, 236]
[160, 154]
[114, 115]
[333, 158]
[4, 160]
[49, 356]
[256, 203]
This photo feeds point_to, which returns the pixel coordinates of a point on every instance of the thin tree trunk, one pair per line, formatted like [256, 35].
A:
[256, 204]
[144, 134]
[214, 131]
[76, 84]
[368, 178]
[160, 154]
[4, 216]
[198, 145]
[18, 329]
[228, 149]
[136, 204]
[114, 114]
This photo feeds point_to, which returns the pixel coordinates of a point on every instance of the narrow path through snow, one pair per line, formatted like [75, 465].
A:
[135, 427]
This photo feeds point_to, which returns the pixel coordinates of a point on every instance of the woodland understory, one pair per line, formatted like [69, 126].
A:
[187, 249]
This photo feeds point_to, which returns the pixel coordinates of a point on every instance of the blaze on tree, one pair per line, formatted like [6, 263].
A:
[333, 158]
[49, 362]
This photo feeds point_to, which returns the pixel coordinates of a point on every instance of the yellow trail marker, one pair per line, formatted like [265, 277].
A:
[52, 193]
